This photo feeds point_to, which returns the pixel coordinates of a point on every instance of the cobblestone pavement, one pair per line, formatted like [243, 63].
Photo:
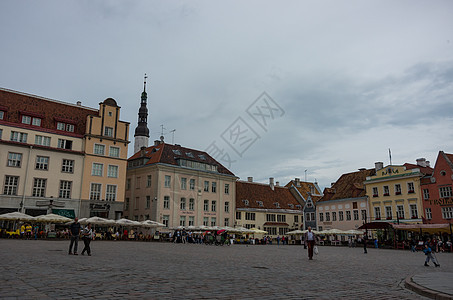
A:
[138, 270]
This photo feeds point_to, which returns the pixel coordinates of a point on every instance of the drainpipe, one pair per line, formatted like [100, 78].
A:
[22, 202]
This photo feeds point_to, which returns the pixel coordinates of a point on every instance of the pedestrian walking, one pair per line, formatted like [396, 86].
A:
[74, 231]
[87, 234]
[310, 241]
[429, 255]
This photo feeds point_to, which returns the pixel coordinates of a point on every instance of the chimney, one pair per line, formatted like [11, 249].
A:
[79, 103]
[277, 183]
[297, 180]
[156, 143]
[271, 182]
[250, 179]
[378, 165]
[428, 164]
[421, 162]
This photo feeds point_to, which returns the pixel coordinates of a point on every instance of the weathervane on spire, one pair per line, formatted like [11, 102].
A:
[144, 84]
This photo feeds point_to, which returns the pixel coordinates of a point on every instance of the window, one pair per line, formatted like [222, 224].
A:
[167, 181]
[99, 149]
[108, 131]
[377, 213]
[165, 220]
[281, 218]
[128, 184]
[11, 184]
[428, 213]
[348, 215]
[39, 187]
[227, 206]
[191, 204]
[167, 202]
[2, 114]
[447, 212]
[327, 216]
[182, 204]
[397, 189]
[42, 140]
[213, 221]
[110, 192]
[260, 203]
[67, 166]
[192, 184]
[340, 216]
[227, 188]
[214, 187]
[400, 211]
[183, 183]
[114, 151]
[137, 203]
[206, 205]
[445, 191]
[426, 194]
[19, 137]
[126, 204]
[271, 218]
[414, 212]
[238, 215]
[137, 182]
[250, 216]
[65, 189]
[375, 192]
[36, 122]
[97, 169]
[95, 193]
[26, 120]
[70, 127]
[64, 144]
[321, 217]
[206, 186]
[1, 133]
[213, 205]
[182, 221]
[191, 221]
[14, 159]
[296, 219]
[42, 163]
[410, 187]
[386, 190]
[364, 214]
[388, 212]
[206, 221]
[226, 222]
[148, 202]
[148, 181]
[61, 126]
[356, 214]
[112, 171]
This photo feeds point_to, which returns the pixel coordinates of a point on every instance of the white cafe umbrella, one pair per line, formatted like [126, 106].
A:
[99, 221]
[149, 223]
[52, 218]
[16, 216]
[296, 232]
[127, 222]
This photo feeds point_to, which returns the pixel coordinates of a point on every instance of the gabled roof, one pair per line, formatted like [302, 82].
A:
[170, 154]
[257, 193]
[349, 185]
[449, 158]
[50, 111]
[423, 170]
[304, 189]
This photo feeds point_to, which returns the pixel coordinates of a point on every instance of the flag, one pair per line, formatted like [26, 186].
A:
[390, 156]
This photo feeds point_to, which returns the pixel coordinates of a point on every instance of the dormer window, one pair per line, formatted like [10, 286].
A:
[260, 203]
[189, 154]
[2, 115]
[298, 206]
[29, 120]
[177, 152]
[202, 157]
[277, 205]
[246, 202]
[65, 126]
[291, 205]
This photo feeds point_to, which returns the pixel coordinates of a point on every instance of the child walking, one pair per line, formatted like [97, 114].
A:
[429, 255]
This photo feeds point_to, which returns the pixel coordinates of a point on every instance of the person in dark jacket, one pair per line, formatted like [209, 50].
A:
[74, 231]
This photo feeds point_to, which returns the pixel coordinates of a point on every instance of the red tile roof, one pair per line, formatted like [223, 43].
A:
[17, 103]
[448, 158]
[423, 170]
[349, 185]
[254, 192]
[169, 154]
[304, 189]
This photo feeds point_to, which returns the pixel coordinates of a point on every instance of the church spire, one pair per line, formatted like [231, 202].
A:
[142, 132]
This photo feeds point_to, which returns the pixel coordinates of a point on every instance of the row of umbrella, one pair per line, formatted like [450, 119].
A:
[239, 230]
[54, 218]
[328, 232]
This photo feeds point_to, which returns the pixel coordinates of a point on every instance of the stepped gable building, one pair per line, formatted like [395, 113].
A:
[310, 193]
[179, 186]
[268, 207]
[344, 205]
[394, 192]
[48, 149]
[436, 191]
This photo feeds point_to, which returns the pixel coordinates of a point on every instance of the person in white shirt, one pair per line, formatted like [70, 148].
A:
[310, 241]
[87, 235]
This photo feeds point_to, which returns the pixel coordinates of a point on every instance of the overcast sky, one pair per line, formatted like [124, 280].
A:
[347, 80]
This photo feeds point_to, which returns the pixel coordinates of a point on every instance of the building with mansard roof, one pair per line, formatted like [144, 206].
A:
[61, 157]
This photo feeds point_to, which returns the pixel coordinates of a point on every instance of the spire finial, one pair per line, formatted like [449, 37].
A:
[144, 83]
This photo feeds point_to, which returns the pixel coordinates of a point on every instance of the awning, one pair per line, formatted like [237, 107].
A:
[430, 228]
[376, 225]
[276, 224]
[68, 213]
